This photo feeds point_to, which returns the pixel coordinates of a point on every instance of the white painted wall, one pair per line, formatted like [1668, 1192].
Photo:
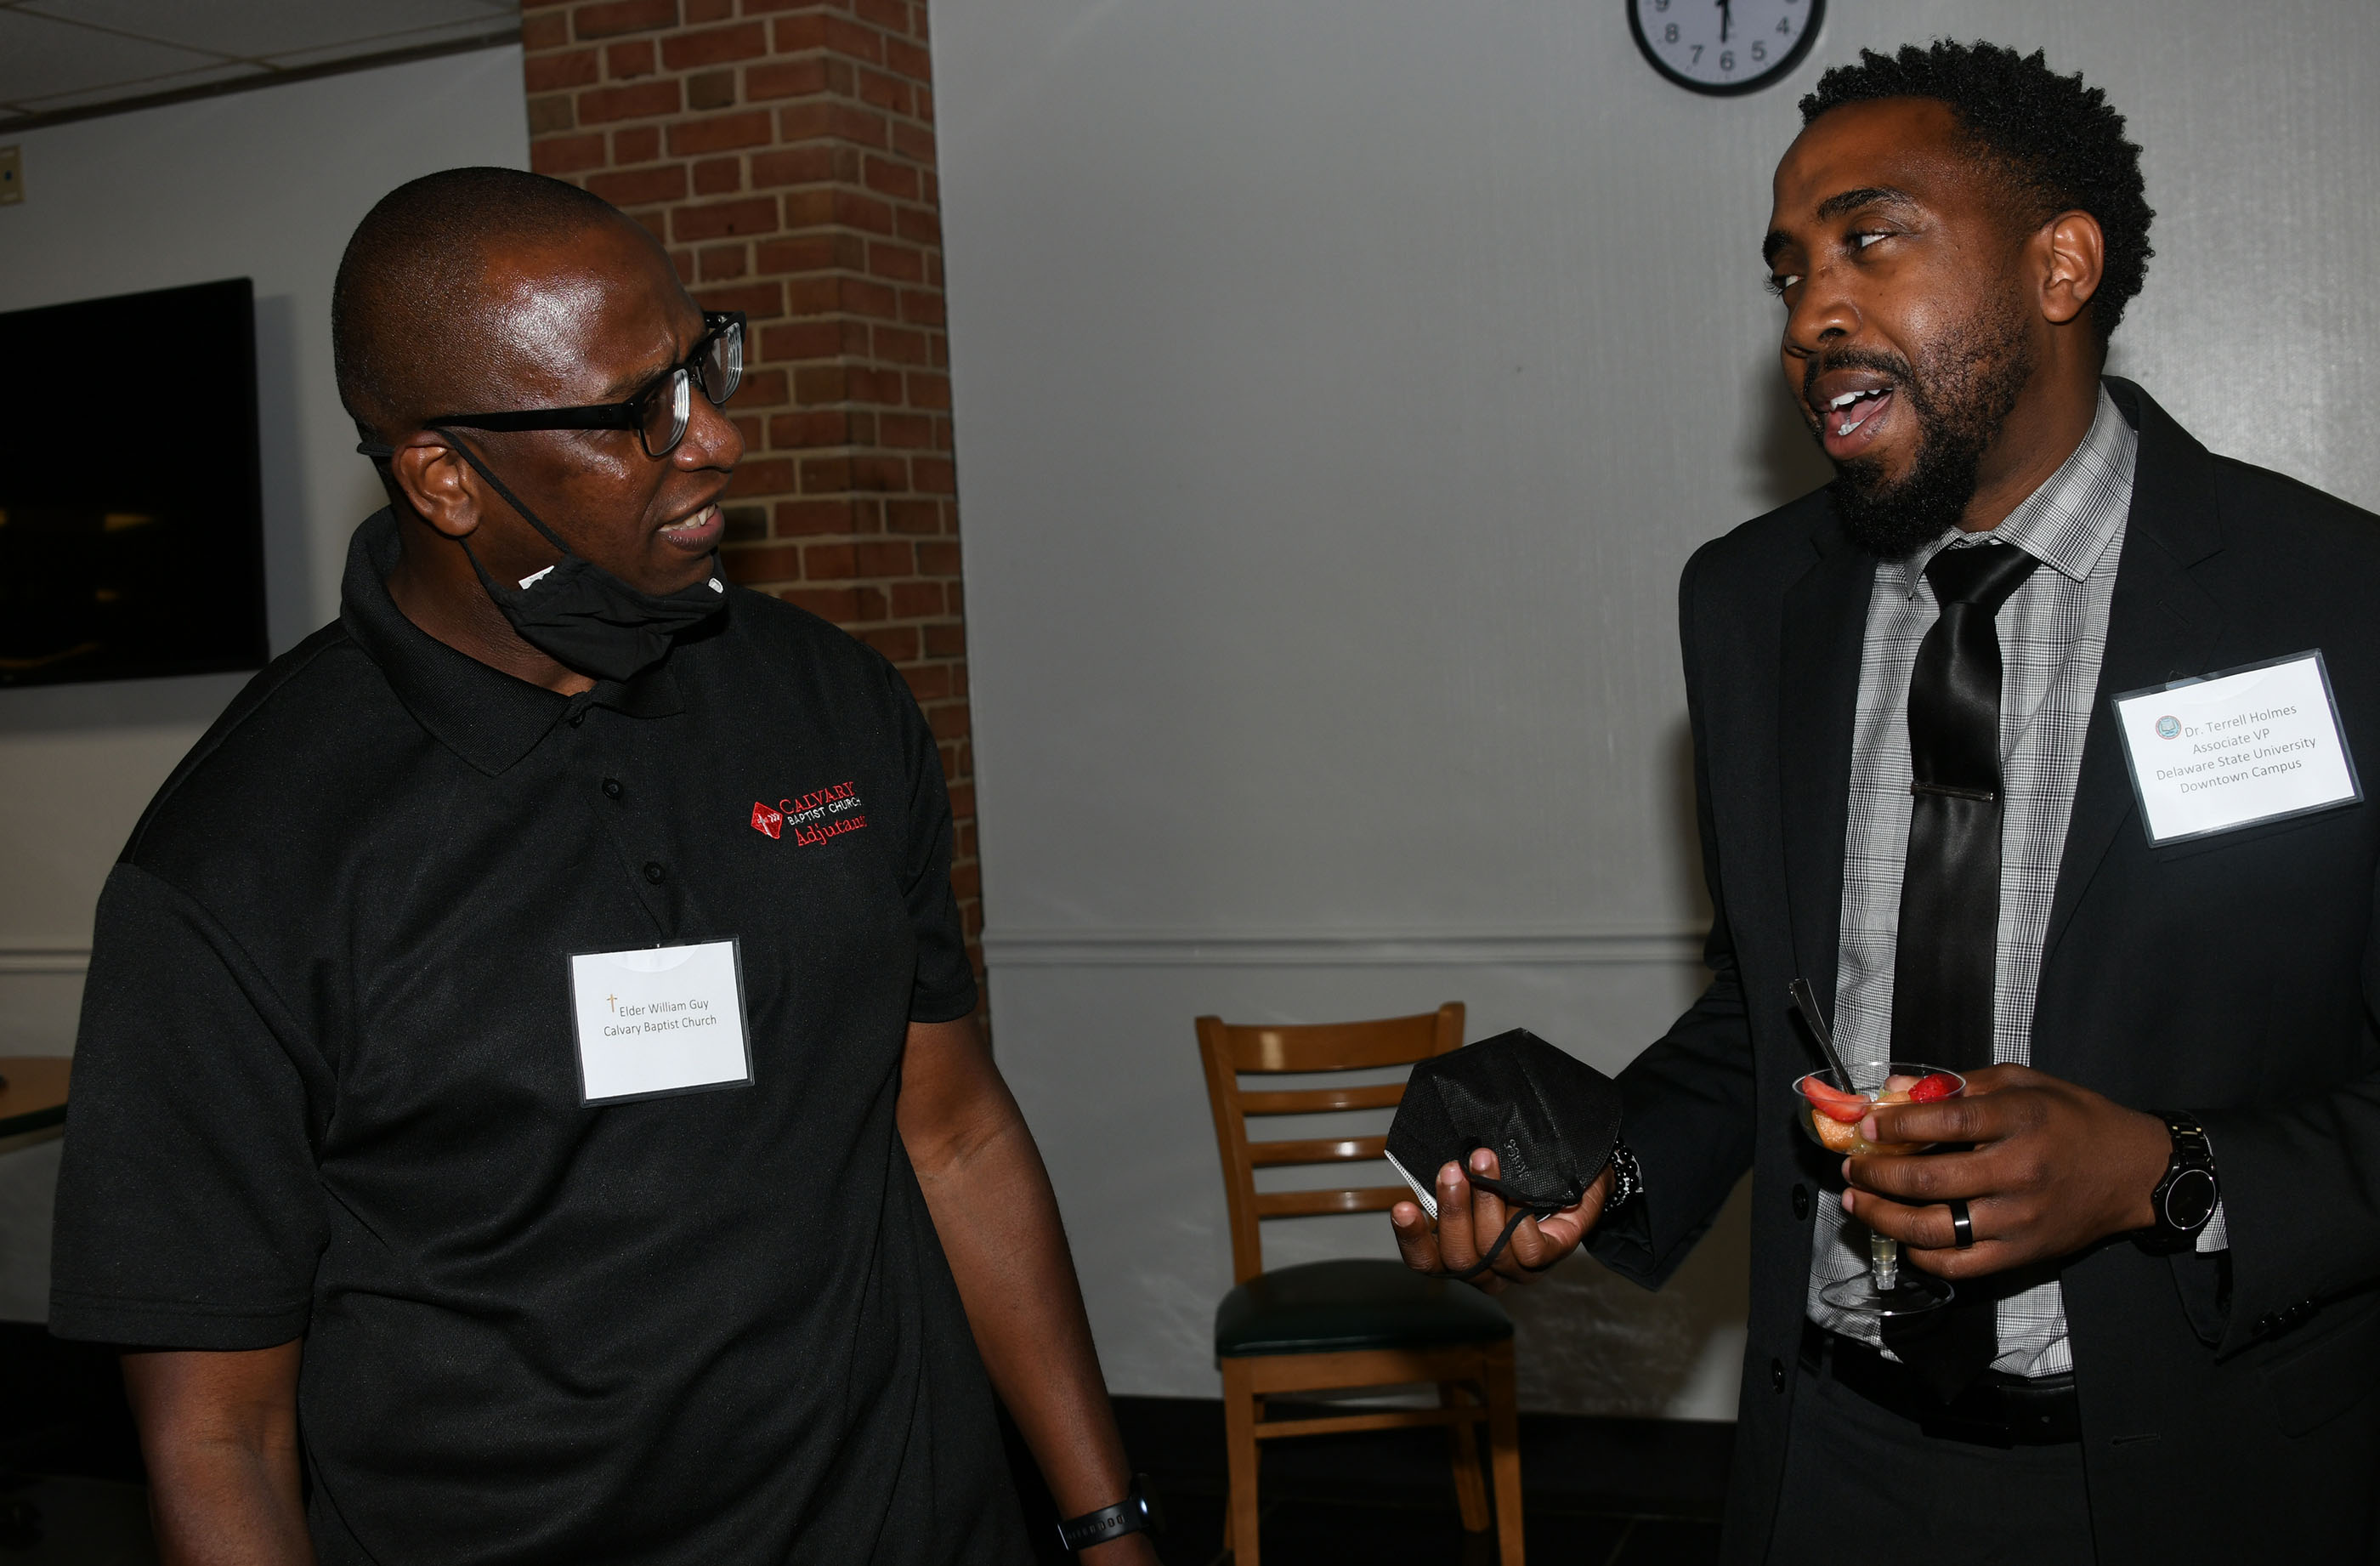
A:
[1340, 388]
[266, 184]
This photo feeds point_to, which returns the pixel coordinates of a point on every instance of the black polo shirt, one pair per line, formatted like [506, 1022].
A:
[327, 1084]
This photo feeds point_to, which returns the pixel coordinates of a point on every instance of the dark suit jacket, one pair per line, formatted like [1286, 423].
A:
[2227, 1405]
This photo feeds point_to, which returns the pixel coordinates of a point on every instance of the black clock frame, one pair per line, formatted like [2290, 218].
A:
[1768, 77]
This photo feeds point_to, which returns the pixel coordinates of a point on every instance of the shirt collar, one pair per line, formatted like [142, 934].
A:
[2069, 521]
[489, 718]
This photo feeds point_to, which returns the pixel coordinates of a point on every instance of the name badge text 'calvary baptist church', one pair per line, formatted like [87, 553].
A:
[2236, 749]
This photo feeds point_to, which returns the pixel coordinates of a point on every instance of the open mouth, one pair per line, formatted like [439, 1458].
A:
[1850, 420]
[1852, 409]
[698, 531]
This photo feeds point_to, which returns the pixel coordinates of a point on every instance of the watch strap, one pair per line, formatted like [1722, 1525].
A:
[1136, 1512]
[1627, 1178]
[2192, 1161]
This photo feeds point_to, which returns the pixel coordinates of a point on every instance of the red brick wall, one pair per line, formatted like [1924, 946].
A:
[784, 151]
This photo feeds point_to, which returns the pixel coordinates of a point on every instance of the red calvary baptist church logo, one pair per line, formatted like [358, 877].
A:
[820, 814]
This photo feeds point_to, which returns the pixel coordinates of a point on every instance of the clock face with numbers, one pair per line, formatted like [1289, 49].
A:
[1724, 46]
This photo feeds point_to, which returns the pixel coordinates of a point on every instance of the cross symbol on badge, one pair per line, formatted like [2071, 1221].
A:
[609, 1000]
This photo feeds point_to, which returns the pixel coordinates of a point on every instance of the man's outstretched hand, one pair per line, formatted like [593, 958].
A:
[1469, 1218]
[2055, 1168]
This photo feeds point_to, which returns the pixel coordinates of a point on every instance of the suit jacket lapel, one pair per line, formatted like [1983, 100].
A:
[1825, 626]
[2161, 626]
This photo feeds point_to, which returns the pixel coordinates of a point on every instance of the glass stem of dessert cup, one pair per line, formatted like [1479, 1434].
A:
[1887, 1289]
[1884, 1261]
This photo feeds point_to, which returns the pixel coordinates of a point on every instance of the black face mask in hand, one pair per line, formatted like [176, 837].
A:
[1550, 1118]
[581, 616]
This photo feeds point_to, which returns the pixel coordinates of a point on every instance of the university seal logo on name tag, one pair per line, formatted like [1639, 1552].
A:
[2237, 748]
[656, 1020]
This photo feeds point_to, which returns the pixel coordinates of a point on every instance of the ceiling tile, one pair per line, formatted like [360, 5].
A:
[45, 59]
[253, 28]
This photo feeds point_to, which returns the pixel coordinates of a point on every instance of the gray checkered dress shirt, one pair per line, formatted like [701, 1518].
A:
[2053, 632]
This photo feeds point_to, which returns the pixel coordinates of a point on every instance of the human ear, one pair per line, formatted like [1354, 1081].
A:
[438, 486]
[2074, 254]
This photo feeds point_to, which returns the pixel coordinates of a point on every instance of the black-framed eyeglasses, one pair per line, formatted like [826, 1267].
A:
[658, 414]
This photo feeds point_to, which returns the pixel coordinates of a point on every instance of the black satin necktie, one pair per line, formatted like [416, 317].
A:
[1950, 888]
[1949, 942]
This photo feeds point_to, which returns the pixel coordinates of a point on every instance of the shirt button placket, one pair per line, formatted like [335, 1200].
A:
[654, 872]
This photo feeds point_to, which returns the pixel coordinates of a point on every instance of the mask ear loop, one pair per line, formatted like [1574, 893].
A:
[379, 453]
[1526, 1204]
[510, 499]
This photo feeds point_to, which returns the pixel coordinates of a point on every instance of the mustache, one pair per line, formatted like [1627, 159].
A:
[1824, 363]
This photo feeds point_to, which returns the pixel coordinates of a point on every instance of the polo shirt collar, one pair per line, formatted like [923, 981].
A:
[489, 718]
[2069, 521]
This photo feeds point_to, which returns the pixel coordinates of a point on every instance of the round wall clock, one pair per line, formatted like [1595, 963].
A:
[1724, 46]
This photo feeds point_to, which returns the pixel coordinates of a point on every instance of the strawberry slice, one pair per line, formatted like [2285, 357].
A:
[1933, 1089]
[1834, 1103]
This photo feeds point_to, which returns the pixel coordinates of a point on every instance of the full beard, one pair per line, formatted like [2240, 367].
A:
[1961, 390]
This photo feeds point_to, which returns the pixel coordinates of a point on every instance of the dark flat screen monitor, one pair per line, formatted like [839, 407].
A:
[131, 506]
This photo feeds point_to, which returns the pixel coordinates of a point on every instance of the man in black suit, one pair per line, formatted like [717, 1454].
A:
[2159, 1202]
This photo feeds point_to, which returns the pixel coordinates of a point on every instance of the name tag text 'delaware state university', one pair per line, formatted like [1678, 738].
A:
[654, 1020]
[2237, 748]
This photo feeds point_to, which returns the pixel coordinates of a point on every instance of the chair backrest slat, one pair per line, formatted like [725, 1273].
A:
[1318, 1150]
[1228, 1051]
[1319, 1100]
[1343, 1046]
[1306, 1204]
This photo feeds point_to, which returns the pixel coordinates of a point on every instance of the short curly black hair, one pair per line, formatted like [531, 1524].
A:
[2057, 143]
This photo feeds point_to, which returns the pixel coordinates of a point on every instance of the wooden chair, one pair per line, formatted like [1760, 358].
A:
[1340, 1325]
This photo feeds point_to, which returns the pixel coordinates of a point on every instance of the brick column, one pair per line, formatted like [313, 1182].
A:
[784, 151]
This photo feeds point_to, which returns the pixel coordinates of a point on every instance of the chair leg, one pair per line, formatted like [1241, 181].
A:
[1240, 1440]
[1504, 1453]
[1470, 1489]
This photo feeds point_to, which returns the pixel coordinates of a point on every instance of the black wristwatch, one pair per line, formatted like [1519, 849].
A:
[2185, 1198]
[1136, 1512]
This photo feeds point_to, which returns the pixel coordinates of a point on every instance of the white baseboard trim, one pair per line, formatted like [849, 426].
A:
[1643, 946]
[43, 959]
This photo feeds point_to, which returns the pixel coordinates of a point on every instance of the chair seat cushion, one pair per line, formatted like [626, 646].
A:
[1334, 1306]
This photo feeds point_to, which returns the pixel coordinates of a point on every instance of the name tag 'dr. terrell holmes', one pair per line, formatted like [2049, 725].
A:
[2237, 748]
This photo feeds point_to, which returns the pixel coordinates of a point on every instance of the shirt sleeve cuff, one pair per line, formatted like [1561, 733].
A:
[155, 1324]
[2215, 1236]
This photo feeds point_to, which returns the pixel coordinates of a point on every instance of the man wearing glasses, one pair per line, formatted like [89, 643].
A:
[528, 1106]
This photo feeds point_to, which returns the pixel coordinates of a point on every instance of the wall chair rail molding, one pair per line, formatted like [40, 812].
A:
[1416, 946]
[44, 957]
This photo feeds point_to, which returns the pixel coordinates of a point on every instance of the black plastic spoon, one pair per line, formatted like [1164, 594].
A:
[1805, 1001]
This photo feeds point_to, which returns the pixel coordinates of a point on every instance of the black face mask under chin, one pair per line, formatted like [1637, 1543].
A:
[581, 616]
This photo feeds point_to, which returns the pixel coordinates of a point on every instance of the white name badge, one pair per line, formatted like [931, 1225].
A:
[2237, 748]
[659, 1019]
